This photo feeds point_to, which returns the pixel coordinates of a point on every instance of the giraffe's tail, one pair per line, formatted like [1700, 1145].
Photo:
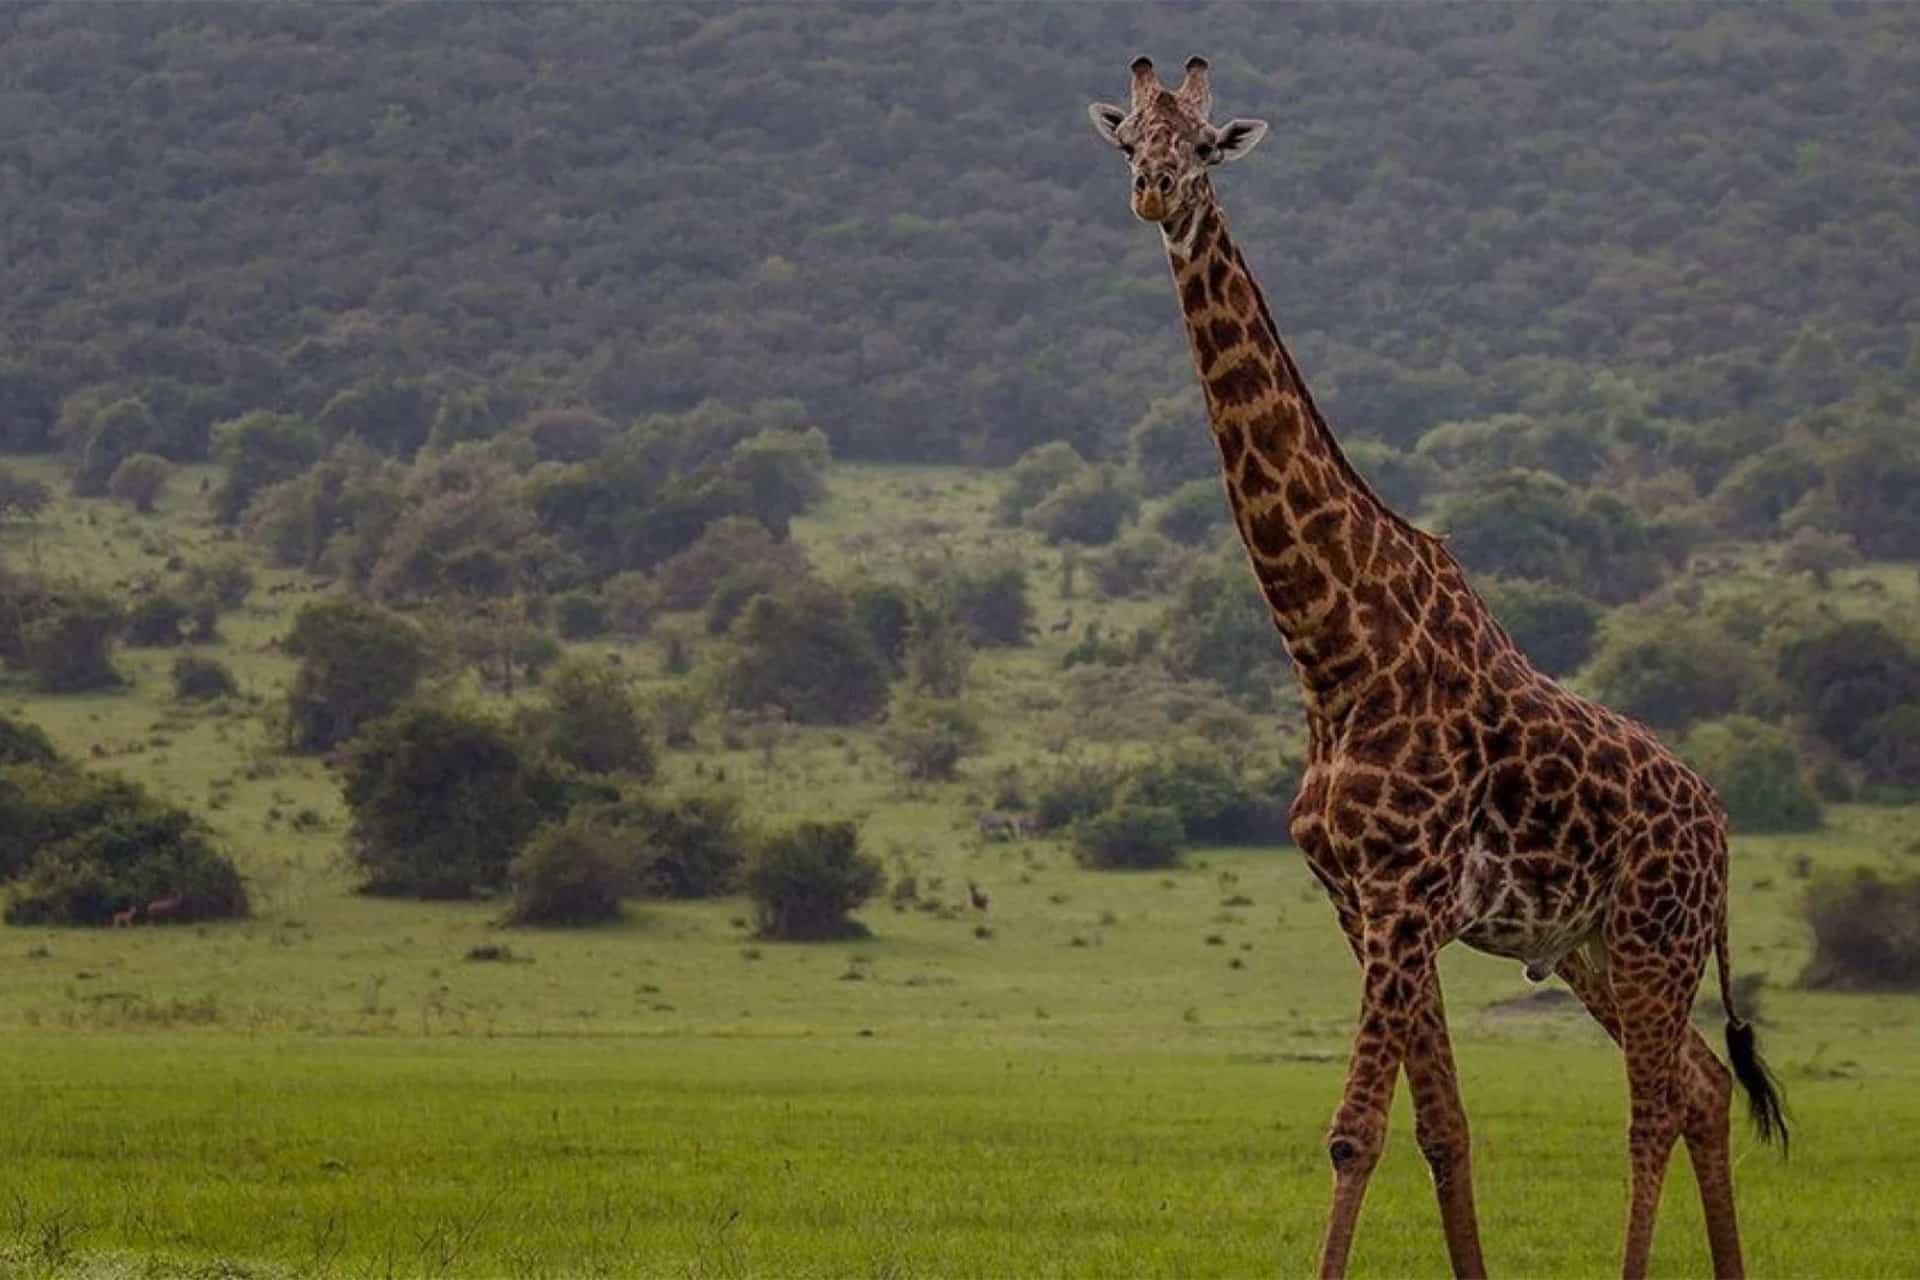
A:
[1764, 1099]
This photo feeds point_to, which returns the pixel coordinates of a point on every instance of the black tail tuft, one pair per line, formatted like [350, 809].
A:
[1763, 1090]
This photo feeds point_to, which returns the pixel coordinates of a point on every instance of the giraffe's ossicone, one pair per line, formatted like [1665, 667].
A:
[1453, 791]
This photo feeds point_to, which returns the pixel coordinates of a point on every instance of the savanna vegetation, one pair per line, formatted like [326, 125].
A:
[651, 584]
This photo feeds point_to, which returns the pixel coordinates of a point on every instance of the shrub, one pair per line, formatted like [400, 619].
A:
[1221, 630]
[806, 879]
[1553, 625]
[67, 642]
[442, 800]
[803, 651]
[98, 845]
[1671, 669]
[886, 612]
[569, 873]
[1892, 757]
[930, 737]
[1759, 775]
[357, 662]
[1171, 445]
[1194, 514]
[690, 847]
[1037, 474]
[1070, 792]
[578, 615]
[991, 602]
[1129, 836]
[115, 433]
[1818, 554]
[196, 678]
[1135, 565]
[139, 481]
[938, 653]
[24, 743]
[1866, 932]
[568, 435]
[675, 711]
[1089, 509]
[1847, 674]
[733, 545]
[591, 719]
[1214, 802]
[157, 621]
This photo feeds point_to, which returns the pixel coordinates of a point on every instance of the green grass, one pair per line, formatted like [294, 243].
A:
[1128, 1074]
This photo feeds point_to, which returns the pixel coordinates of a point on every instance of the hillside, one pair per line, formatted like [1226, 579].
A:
[1690, 224]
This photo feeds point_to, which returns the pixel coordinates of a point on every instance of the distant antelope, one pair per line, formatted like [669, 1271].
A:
[976, 896]
[167, 908]
[1064, 624]
[125, 918]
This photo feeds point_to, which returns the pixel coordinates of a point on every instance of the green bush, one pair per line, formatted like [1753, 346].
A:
[1891, 760]
[443, 799]
[1038, 472]
[735, 545]
[81, 847]
[1194, 514]
[1129, 836]
[1760, 777]
[929, 737]
[632, 601]
[806, 879]
[157, 621]
[1847, 674]
[1866, 932]
[139, 480]
[1554, 626]
[1672, 669]
[693, 846]
[1070, 792]
[1136, 565]
[991, 602]
[1171, 445]
[569, 873]
[67, 642]
[591, 720]
[803, 651]
[1090, 508]
[1214, 802]
[358, 661]
[196, 678]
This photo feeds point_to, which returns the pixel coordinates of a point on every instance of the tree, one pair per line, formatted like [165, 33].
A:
[591, 719]
[991, 602]
[1220, 629]
[442, 800]
[357, 663]
[930, 737]
[1818, 554]
[737, 548]
[779, 475]
[1845, 675]
[803, 651]
[939, 655]
[1089, 508]
[1671, 669]
[196, 678]
[1171, 445]
[139, 481]
[258, 450]
[1554, 626]
[1039, 472]
[67, 639]
[571, 872]
[1757, 772]
[116, 433]
[806, 879]
[1129, 836]
[1194, 514]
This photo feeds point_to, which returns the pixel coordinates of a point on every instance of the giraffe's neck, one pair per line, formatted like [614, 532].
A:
[1344, 576]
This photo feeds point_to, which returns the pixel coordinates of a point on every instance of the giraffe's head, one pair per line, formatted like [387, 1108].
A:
[1168, 141]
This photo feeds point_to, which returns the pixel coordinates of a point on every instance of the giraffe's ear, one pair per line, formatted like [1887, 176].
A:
[1234, 139]
[1107, 119]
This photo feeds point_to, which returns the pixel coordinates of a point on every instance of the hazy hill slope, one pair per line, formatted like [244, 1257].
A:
[896, 213]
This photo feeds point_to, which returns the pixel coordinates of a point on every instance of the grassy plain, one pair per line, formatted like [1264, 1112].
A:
[1104, 1074]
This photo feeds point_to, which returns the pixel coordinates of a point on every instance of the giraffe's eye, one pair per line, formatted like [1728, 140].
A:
[1201, 150]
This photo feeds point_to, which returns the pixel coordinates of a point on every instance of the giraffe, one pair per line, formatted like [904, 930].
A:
[1452, 792]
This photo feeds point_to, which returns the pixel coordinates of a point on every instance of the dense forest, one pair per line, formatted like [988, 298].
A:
[1673, 231]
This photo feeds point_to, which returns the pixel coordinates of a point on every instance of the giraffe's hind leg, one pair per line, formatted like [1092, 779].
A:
[1708, 1091]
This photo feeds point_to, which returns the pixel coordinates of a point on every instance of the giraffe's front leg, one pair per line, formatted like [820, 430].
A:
[1397, 955]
